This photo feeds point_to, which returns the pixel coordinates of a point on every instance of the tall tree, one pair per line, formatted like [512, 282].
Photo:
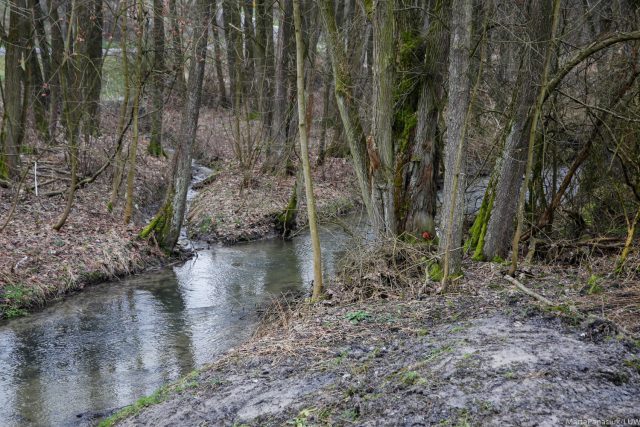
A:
[457, 120]
[13, 124]
[158, 74]
[381, 141]
[167, 223]
[133, 147]
[512, 163]
[89, 41]
[304, 154]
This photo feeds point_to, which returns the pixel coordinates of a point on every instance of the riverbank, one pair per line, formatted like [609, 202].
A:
[39, 264]
[395, 354]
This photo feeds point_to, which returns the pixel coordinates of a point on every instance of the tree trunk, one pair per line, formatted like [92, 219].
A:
[71, 91]
[176, 46]
[512, 164]
[278, 151]
[304, 154]
[124, 109]
[381, 143]
[349, 115]
[167, 223]
[91, 23]
[133, 147]
[223, 99]
[264, 58]
[457, 119]
[13, 97]
[157, 76]
[420, 194]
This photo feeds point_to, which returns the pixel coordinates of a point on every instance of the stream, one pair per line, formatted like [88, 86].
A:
[99, 350]
[103, 348]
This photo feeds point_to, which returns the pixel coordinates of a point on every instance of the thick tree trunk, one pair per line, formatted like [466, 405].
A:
[167, 223]
[421, 171]
[158, 73]
[457, 118]
[512, 165]
[381, 142]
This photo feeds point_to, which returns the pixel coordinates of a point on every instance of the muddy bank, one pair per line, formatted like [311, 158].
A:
[486, 356]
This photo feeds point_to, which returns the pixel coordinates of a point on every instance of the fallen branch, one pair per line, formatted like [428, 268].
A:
[548, 302]
[528, 291]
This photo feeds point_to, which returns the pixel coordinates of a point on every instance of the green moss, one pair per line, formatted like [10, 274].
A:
[435, 272]
[478, 230]
[633, 363]
[285, 221]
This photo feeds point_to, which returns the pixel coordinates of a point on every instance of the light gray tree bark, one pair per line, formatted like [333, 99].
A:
[457, 111]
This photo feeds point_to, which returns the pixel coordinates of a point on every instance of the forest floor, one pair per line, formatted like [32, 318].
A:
[225, 210]
[483, 354]
[39, 264]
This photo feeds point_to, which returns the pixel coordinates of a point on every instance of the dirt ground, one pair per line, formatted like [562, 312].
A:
[484, 355]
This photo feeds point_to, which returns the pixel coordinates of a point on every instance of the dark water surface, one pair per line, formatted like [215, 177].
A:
[113, 343]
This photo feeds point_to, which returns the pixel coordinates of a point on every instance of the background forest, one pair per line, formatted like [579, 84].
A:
[487, 128]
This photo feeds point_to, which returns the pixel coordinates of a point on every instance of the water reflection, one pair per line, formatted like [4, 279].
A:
[109, 345]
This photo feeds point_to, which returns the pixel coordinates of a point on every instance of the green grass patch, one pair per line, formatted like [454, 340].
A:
[356, 317]
[158, 396]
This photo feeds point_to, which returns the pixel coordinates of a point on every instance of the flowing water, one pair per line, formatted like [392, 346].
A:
[115, 342]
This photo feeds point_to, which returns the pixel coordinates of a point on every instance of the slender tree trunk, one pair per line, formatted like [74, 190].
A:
[222, 89]
[70, 85]
[349, 115]
[157, 76]
[278, 152]
[133, 147]
[57, 52]
[91, 25]
[176, 46]
[304, 154]
[233, 39]
[457, 119]
[124, 109]
[326, 99]
[263, 48]
[537, 111]
[167, 223]
[13, 96]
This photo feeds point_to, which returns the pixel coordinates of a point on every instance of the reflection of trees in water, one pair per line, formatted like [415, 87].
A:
[28, 386]
[168, 294]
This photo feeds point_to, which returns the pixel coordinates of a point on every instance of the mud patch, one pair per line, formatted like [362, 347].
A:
[401, 365]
